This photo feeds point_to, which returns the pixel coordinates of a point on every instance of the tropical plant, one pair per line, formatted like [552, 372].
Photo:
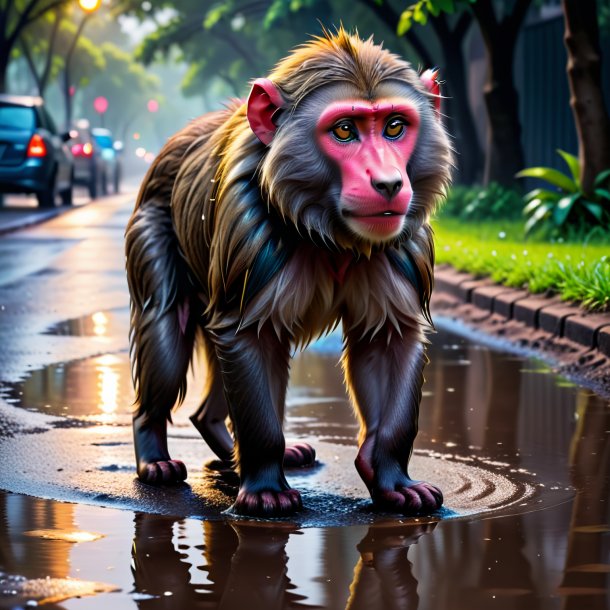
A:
[493, 202]
[565, 207]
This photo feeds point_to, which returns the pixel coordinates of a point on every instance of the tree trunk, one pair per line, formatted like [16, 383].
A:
[504, 148]
[587, 98]
[504, 156]
[461, 122]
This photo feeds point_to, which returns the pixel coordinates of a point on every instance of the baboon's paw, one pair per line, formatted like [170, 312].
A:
[414, 498]
[299, 455]
[163, 472]
[267, 503]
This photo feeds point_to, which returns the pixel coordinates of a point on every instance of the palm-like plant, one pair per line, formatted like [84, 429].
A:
[567, 205]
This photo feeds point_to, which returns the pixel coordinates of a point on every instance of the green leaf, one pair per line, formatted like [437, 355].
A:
[595, 209]
[419, 15]
[603, 194]
[562, 209]
[531, 206]
[404, 23]
[573, 164]
[543, 194]
[551, 175]
[602, 177]
[214, 15]
[537, 217]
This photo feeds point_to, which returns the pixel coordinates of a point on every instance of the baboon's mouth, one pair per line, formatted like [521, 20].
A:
[384, 213]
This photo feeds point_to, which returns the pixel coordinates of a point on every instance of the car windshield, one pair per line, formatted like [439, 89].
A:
[16, 117]
[103, 140]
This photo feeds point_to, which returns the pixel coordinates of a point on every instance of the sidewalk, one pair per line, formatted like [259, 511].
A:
[548, 314]
[15, 218]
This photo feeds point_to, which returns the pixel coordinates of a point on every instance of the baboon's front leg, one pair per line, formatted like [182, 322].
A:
[254, 368]
[384, 377]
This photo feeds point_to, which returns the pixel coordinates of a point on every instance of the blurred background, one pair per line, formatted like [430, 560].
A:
[157, 64]
[526, 86]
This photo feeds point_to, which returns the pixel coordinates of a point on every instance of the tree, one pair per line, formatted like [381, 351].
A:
[504, 149]
[15, 17]
[500, 26]
[126, 84]
[38, 44]
[584, 75]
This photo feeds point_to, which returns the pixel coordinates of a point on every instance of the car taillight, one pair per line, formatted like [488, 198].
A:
[82, 150]
[37, 147]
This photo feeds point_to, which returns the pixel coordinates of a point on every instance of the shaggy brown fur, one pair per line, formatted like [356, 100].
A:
[245, 244]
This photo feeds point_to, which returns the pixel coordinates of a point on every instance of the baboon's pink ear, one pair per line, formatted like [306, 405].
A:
[263, 101]
[430, 80]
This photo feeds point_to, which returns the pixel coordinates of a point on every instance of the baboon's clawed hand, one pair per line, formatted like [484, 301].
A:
[266, 224]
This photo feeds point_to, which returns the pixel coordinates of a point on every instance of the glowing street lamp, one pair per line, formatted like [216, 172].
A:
[89, 6]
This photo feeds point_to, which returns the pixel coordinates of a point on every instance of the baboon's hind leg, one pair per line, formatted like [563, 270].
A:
[209, 419]
[162, 337]
[211, 416]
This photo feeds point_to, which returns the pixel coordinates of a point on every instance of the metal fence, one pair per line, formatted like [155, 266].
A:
[544, 95]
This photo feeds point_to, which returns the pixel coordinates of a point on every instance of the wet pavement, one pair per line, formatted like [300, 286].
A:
[522, 455]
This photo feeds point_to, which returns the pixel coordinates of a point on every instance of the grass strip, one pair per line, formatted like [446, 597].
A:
[578, 272]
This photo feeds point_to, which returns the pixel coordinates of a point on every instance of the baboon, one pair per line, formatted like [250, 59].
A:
[264, 225]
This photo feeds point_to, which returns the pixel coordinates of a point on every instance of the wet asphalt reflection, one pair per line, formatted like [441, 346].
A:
[493, 419]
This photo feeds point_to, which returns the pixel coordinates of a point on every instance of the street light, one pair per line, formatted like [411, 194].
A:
[89, 6]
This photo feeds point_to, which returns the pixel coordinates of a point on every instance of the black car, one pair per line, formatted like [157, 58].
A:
[34, 157]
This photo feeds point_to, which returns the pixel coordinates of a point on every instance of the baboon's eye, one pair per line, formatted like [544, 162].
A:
[345, 131]
[394, 128]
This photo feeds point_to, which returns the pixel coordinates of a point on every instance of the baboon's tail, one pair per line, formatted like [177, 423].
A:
[163, 310]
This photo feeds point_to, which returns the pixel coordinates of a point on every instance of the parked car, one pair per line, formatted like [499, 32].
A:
[34, 157]
[110, 155]
[89, 166]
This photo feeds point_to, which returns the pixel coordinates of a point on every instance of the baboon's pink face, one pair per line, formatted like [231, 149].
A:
[346, 148]
[371, 143]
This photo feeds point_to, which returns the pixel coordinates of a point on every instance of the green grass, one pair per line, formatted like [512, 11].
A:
[578, 272]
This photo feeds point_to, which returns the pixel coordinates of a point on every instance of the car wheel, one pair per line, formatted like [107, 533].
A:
[117, 180]
[93, 190]
[104, 184]
[46, 197]
[67, 195]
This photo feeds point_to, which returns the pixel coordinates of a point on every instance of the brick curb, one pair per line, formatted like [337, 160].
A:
[556, 317]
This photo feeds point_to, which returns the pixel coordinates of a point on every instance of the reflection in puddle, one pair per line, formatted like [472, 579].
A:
[97, 324]
[98, 387]
[57, 534]
[158, 562]
[18, 590]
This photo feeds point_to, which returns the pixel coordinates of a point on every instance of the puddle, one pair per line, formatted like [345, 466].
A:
[538, 560]
[97, 324]
[496, 434]
[521, 456]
